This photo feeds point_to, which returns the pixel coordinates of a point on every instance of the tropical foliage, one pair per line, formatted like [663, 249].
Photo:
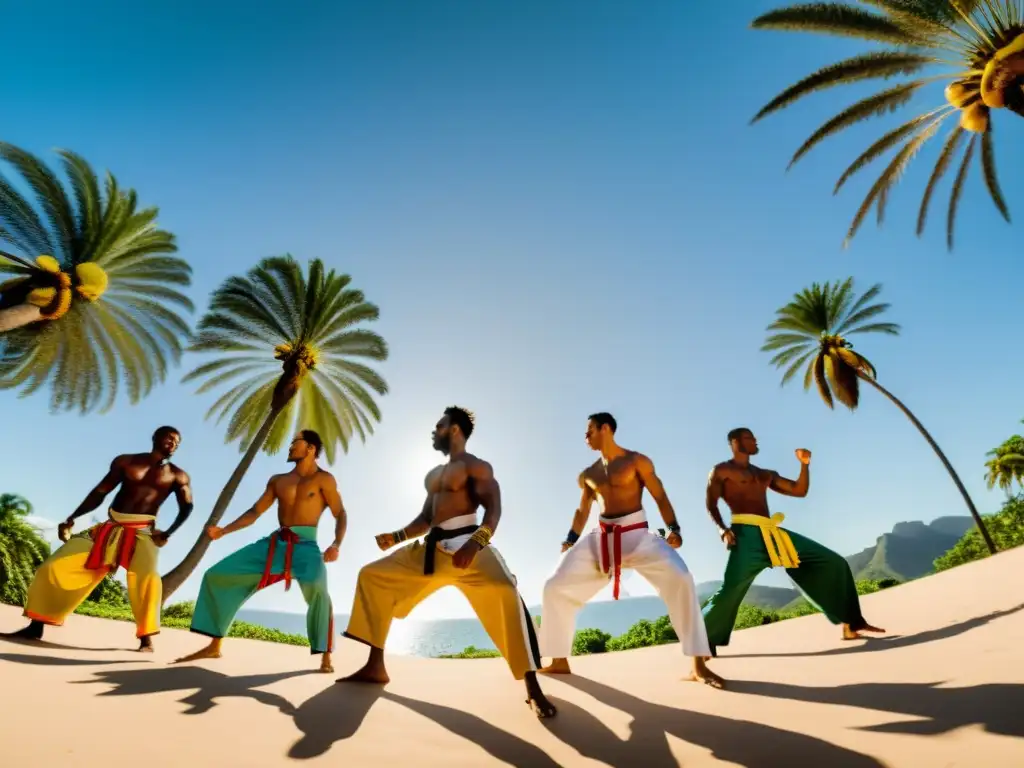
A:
[1006, 528]
[95, 301]
[22, 549]
[975, 46]
[811, 333]
[1006, 464]
[290, 352]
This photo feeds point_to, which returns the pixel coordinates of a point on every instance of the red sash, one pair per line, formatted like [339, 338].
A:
[616, 532]
[125, 547]
[290, 538]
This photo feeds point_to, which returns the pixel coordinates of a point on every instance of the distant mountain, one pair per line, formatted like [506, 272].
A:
[909, 550]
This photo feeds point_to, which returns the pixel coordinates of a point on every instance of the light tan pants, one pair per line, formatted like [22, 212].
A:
[391, 587]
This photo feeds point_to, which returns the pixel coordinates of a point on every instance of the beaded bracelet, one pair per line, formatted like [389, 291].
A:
[482, 535]
[400, 536]
[673, 527]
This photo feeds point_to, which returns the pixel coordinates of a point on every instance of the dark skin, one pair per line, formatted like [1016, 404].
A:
[619, 478]
[145, 481]
[744, 487]
[450, 494]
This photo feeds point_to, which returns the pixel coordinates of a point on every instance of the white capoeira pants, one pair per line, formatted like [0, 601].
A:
[591, 563]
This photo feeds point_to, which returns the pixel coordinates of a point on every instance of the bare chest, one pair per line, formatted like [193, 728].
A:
[448, 478]
[745, 481]
[296, 491]
[616, 477]
[154, 477]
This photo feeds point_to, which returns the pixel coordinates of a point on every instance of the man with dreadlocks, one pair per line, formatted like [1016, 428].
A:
[455, 552]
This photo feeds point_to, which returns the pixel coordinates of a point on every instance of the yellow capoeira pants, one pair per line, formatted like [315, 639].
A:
[67, 576]
[391, 587]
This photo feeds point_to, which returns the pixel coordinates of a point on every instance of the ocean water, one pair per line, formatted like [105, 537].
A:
[424, 637]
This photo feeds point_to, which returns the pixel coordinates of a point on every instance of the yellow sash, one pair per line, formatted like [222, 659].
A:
[777, 541]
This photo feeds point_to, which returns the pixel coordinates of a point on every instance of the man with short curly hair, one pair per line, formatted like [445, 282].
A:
[456, 552]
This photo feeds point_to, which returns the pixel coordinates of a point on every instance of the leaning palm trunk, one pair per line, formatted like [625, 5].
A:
[942, 457]
[177, 575]
[19, 315]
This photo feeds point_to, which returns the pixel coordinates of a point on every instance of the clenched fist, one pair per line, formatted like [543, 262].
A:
[214, 532]
[803, 455]
[385, 541]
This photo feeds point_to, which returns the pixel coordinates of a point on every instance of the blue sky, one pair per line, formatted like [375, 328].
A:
[560, 208]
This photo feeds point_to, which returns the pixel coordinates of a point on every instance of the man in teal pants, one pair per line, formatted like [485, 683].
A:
[756, 541]
[291, 552]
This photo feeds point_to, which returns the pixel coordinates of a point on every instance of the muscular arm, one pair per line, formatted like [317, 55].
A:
[110, 481]
[333, 498]
[651, 481]
[579, 520]
[713, 495]
[488, 491]
[183, 493]
[253, 514]
[797, 488]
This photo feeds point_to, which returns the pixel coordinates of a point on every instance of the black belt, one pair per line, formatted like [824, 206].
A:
[434, 535]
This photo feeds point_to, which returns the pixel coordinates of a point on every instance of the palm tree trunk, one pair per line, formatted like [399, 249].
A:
[942, 457]
[17, 316]
[177, 575]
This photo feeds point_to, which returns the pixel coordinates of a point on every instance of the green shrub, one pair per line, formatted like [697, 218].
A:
[109, 592]
[1006, 528]
[589, 641]
[471, 652]
[180, 610]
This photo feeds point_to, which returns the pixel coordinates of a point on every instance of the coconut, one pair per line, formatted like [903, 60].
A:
[975, 118]
[957, 94]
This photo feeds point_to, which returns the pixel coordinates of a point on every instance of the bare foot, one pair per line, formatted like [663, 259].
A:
[701, 674]
[34, 631]
[556, 667]
[850, 634]
[535, 698]
[325, 664]
[145, 645]
[371, 673]
[212, 651]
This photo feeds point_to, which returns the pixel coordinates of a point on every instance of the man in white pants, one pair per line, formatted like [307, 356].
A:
[622, 540]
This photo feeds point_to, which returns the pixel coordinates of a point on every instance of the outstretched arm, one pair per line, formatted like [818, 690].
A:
[579, 520]
[712, 497]
[183, 494]
[333, 498]
[250, 516]
[651, 481]
[110, 481]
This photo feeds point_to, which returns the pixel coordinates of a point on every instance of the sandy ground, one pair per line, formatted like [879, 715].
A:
[946, 688]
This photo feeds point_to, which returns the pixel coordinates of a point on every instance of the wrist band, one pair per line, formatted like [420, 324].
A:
[482, 535]
[572, 537]
[400, 536]
[673, 527]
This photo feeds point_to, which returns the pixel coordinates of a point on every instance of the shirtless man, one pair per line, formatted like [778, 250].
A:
[302, 495]
[617, 480]
[127, 540]
[456, 552]
[756, 541]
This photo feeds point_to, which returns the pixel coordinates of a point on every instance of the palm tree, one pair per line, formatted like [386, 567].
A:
[980, 45]
[1006, 465]
[22, 549]
[94, 301]
[811, 330]
[289, 345]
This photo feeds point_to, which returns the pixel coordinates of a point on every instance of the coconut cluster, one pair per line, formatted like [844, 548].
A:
[306, 357]
[975, 97]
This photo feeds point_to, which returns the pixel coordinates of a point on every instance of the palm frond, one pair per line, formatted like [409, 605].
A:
[957, 191]
[867, 66]
[837, 19]
[988, 166]
[876, 150]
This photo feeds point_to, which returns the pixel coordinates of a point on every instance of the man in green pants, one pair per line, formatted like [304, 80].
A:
[756, 541]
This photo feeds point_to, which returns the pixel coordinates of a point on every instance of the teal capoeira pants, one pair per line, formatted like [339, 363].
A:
[823, 577]
[286, 553]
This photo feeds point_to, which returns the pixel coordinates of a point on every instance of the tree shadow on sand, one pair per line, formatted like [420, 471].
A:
[57, 661]
[995, 706]
[206, 684]
[889, 643]
[752, 745]
[336, 713]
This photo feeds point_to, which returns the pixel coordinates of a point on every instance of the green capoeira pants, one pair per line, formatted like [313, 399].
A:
[823, 577]
[285, 553]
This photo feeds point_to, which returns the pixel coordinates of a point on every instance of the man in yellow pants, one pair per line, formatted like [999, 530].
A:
[128, 540]
[456, 552]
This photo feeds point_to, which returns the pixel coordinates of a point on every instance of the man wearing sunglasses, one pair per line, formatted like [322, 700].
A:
[291, 551]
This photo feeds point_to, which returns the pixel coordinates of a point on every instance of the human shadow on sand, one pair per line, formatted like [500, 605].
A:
[336, 713]
[207, 686]
[995, 706]
[889, 643]
[57, 661]
[47, 645]
[753, 745]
